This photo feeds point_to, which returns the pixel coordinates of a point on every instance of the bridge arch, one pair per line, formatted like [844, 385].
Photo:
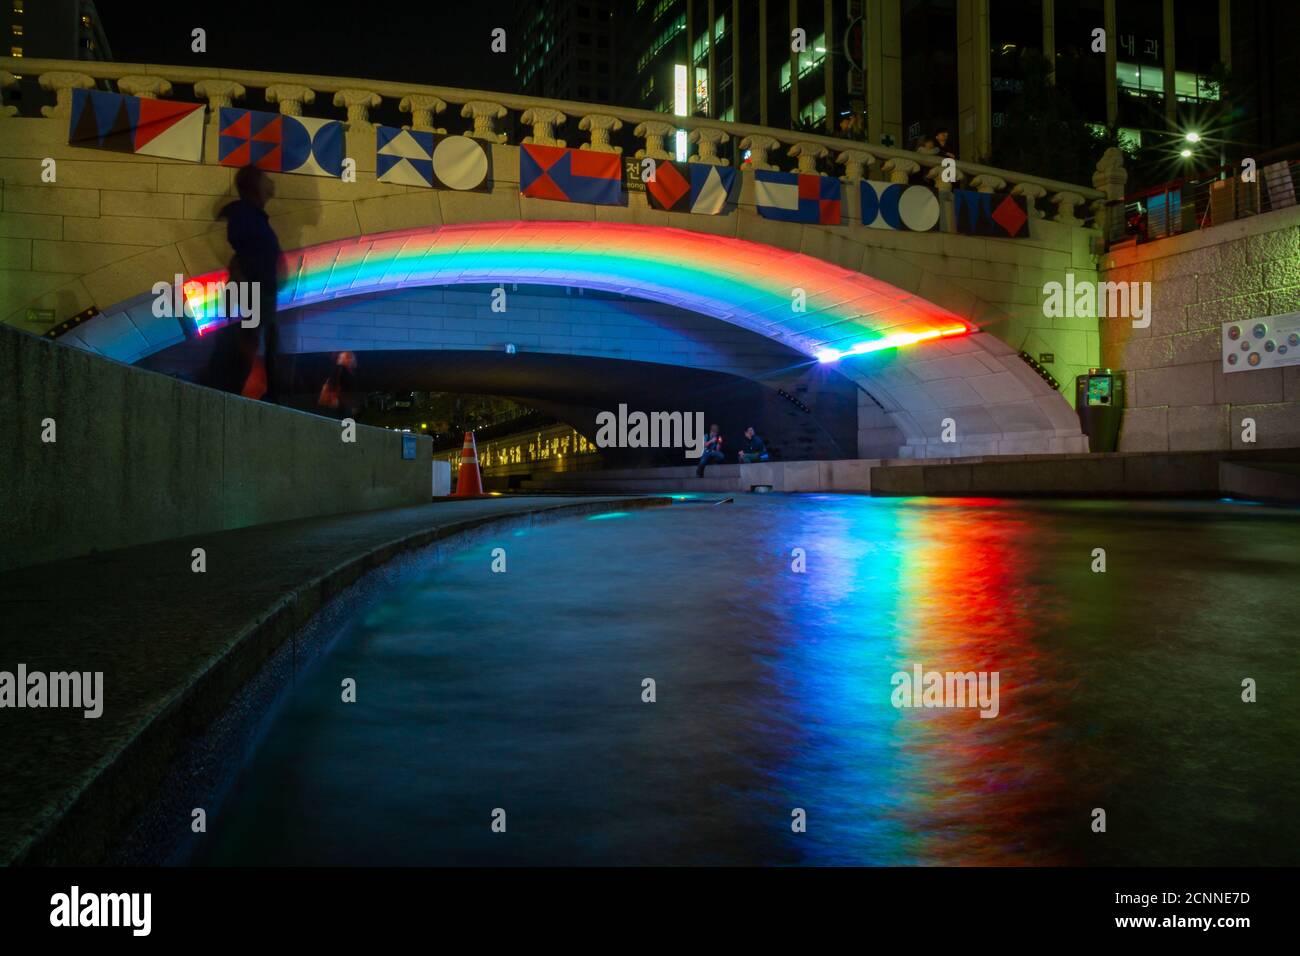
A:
[919, 362]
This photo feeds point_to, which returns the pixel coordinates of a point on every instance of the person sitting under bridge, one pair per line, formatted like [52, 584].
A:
[712, 450]
[754, 449]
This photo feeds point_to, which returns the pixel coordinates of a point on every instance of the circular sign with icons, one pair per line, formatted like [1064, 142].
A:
[1234, 332]
[1281, 350]
[1293, 340]
[1232, 358]
[1260, 330]
[1270, 345]
[1254, 358]
[1245, 345]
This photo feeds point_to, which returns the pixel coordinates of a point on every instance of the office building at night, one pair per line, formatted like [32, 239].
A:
[49, 29]
[566, 49]
[912, 66]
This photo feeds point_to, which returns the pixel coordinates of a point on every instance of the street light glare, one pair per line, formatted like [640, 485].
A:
[1186, 154]
[1193, 137]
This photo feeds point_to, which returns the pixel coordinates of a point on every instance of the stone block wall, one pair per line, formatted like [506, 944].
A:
[1179, 399]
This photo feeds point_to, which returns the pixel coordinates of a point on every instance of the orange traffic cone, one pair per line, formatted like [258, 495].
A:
[470, 482]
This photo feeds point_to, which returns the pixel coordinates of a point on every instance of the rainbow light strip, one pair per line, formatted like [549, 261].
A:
[896, 340]
[746, 283]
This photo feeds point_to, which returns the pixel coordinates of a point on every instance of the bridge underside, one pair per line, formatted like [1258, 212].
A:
[925, 382]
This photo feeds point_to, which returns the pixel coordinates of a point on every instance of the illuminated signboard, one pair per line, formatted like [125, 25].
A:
[679, 106]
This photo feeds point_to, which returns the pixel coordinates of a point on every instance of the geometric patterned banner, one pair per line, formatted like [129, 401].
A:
[410, 157]
[898, 206]
[984, 214]
[797, 197]
[691, 187]
[570, 175]
[132, 124]
[280, 144]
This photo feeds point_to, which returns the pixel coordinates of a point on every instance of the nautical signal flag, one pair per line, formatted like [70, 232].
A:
[691, 187]
[133, 124]
[570, 175]
[984, 214]
[279, 143]
[797, 197]
[898, 206]
[410, 157]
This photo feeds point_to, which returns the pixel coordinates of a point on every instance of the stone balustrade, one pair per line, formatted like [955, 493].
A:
[755, 146]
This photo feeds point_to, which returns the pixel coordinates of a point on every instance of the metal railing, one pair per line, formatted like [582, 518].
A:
[1212, 197]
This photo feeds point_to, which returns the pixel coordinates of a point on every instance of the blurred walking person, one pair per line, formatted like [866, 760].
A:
[257, 259]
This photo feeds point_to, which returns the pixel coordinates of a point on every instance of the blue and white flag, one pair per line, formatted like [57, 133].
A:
[797, 197]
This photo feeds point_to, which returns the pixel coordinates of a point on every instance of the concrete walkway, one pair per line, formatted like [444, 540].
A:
[173, 646]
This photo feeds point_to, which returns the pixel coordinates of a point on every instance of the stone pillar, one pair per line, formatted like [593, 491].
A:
[935, 175]
[947, 221]
[290, 96]
[654, 133]
[485, 114]
[901, 170]
[359, 103]
[808, 154]
[988, 184]
[974, 83]
[219, 93]
[1065, 202]
[759, 146]
[1111, 178]
[600, 125]
[62, 84]
[707, 140]
[422, 107]
[855, 162]
[883, 65]
[145, 87]
[1032, 193]
[543, 121]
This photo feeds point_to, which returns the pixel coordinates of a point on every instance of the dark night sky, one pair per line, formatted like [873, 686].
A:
[434, 42]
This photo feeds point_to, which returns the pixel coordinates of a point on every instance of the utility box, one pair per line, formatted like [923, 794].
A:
[1099, 403]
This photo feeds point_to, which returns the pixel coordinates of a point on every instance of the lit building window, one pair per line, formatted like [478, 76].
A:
[17, 29]
[85, 22]
[15, 51]
[18, 6]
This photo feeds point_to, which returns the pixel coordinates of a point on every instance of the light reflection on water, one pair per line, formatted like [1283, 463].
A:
[523, 691]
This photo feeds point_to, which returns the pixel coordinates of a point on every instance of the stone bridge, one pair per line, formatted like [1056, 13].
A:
[925, 326]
